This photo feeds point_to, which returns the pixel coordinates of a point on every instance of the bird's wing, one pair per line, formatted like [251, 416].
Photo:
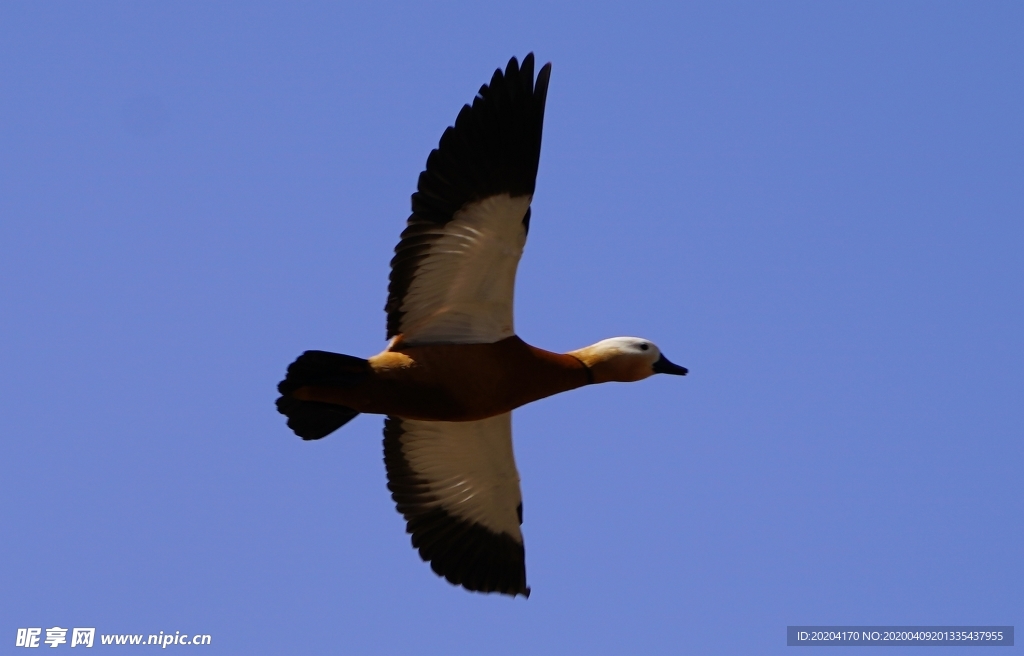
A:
[457, 486]
[454, 270]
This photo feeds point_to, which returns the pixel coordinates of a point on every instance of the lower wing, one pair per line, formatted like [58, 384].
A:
[457, 486]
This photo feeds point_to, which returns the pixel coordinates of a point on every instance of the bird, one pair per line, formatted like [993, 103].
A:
[454, 368]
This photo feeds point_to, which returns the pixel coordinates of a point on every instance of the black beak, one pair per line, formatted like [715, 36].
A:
[663, 366]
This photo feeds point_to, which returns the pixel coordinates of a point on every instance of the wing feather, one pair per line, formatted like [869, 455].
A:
[457, 485]
[453, 273]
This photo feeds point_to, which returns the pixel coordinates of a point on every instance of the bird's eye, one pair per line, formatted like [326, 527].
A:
[644, 347]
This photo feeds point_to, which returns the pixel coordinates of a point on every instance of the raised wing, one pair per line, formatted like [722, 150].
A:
[457, 486]
[453, 273]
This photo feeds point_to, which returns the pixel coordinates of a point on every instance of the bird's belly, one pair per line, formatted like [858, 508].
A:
[460, 398]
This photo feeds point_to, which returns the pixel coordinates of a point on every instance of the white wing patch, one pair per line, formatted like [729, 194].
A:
[469, 469]
[462, 290]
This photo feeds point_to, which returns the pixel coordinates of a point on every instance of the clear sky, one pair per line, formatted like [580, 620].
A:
[816, 207]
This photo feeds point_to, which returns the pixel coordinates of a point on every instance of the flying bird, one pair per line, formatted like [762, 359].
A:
[454, 369]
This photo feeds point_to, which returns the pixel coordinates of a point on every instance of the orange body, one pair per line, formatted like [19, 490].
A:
[455, 382]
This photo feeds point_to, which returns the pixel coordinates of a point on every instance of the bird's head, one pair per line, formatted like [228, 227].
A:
[625, 359]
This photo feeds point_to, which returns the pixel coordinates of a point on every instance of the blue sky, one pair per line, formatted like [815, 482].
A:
[816, 207]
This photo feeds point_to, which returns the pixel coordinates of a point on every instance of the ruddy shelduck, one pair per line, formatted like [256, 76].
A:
[454, 369]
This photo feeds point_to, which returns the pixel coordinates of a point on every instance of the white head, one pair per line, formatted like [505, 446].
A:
[626, 359]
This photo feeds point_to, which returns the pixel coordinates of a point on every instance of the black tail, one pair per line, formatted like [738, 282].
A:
[312, 420]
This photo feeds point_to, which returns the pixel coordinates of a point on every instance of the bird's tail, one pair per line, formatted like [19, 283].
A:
[312, 420]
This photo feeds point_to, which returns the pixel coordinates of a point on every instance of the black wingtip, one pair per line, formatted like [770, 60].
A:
[541, 85]
[512, 69]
